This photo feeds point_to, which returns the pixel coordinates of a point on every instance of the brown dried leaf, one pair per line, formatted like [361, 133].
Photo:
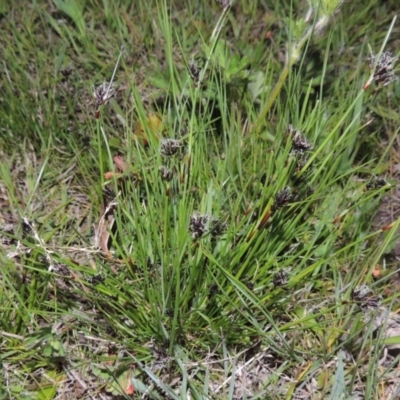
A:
[104, 228]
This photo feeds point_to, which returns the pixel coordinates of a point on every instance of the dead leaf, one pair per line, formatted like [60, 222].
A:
[376, 272]
[387, 227]
[104, 228]
[109, 175]
[120, 165]
[154, 123]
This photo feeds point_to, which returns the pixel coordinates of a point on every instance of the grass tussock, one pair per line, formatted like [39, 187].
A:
[187, 200]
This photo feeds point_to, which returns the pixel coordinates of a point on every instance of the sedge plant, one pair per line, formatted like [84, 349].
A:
[225, 264]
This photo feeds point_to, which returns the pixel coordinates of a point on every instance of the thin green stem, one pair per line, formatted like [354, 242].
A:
[293, 56]
[214, 41]
[274, 94]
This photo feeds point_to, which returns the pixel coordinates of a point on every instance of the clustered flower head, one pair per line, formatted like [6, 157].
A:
[364, 296]
[166, 173]
[198, 224]
[103, 93]
[214, 289]
[66, 71]
[217, 226]
[169, 147]
[26, 227]
[60, 269]
[376, 183]
[384, 74]
[281, 278]
[283, 197]
[300, 144]
[169, 312]
[95, 279]
[194, 71]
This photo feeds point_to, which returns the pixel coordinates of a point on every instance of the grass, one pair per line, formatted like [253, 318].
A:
[189, 237]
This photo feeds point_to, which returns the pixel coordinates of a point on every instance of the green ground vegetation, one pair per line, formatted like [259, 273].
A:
[187, 196]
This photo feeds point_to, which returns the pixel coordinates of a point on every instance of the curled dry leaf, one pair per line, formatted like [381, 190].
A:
[108, 175]
[120, 163]
[376, 272]
[121, 166]
[387, 227]
[104, 228]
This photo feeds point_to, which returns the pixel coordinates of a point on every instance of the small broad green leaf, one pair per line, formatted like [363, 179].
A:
[57, 347]
[47, 393]
[236, 65]
[16, 389]
[48, 351]
[55, 344]
[323, 250]
[101, 372]
[308, 321]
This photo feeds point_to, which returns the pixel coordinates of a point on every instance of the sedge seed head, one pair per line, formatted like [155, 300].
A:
[198, 224]
[281, 278]
[376, 183]
[384, 71]
[170, 147]
[365, 297]
[300, 144]
[103, 93]
[283, 197]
